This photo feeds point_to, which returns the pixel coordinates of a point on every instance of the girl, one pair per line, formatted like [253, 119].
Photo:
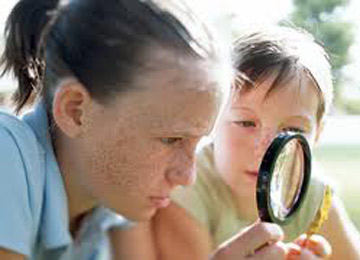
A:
[124, 90]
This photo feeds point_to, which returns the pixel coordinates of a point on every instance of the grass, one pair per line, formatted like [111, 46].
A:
[341, 164]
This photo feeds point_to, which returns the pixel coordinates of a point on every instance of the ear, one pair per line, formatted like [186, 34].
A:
[69, 105]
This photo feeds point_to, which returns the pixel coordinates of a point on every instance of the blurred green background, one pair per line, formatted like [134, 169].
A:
[341, 163]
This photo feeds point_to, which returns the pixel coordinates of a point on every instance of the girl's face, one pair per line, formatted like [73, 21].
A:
[139, 147]
[253, 120]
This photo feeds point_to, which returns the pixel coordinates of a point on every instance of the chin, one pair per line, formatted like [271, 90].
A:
[139, 215]
[146, 215]
[245, 191]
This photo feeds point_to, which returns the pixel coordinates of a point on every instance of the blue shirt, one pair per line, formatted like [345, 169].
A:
[34, 218]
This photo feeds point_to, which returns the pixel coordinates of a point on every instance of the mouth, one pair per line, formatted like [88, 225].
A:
[160, 201]
[253, 174]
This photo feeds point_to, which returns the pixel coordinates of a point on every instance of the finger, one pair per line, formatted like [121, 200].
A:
[304, 254]
[307, 254]
[293, 251]
[250, 239]
[275, 251]
[259, 235]
[317, 244]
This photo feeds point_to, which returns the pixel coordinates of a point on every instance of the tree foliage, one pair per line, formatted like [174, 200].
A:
[322, 19]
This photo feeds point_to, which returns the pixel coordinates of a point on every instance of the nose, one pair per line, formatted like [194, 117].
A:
[262, 143]
[183, 171]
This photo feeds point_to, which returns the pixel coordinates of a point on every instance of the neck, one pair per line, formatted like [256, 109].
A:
[246, 207]
[80, 201]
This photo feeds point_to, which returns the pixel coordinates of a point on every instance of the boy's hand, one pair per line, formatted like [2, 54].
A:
[259, 241]
[262, 241]
[314, 247]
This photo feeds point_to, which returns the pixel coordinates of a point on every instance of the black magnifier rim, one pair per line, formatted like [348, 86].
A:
[266, 172]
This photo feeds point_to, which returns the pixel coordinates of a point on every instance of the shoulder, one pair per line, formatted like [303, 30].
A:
[17, 129]
[20, 185]
[180, 236]
[20, 150]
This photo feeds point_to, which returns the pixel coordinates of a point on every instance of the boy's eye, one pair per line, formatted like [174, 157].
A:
[170, 140]
[294, 129]
[245, 123]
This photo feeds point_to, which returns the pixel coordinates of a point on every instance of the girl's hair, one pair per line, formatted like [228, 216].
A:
[100, 43]
[287, 51]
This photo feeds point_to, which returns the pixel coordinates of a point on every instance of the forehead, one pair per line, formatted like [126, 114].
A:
[170, 99]
[172, 109]
[296, 94]
[166, 69]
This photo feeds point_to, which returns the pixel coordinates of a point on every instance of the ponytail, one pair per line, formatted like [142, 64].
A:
[101, 44]
[25, 32]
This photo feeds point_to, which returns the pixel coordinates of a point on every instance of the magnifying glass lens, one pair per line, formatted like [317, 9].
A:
[287, 179]
[284, 177]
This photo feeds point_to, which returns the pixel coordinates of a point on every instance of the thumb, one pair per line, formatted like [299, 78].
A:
[251, 239]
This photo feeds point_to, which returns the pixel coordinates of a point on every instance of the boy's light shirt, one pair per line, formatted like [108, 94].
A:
[211, 203]
[33, 203]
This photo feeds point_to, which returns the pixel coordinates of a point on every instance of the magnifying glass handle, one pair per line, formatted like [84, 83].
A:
[321, 215]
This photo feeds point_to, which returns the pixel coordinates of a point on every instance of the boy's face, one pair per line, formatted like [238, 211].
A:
[252, 122]
[142, 145]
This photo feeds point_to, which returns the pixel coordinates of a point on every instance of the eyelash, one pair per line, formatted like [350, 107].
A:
[294, 129]
[171, 140]
[245, 123]
[248, 124]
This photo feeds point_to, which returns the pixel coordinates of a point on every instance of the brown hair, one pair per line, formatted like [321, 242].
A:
[287, 51]
[100, 43]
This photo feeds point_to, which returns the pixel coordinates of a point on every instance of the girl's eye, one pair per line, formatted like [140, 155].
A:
[245, 123]
[294, 129]
[170, 140]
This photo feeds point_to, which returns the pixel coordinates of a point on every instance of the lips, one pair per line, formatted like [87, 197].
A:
[254, 174]
[159, 201]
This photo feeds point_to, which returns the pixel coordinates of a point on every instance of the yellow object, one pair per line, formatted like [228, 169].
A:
[211, 202]
[323, 212]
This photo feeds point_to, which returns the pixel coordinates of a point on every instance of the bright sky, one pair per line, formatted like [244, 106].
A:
[272, 11]
[256, 12]
[260, 11]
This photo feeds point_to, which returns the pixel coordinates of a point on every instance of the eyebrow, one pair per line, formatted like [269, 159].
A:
[185, 131]
[241, 108]
[189, 133]
[306, 119]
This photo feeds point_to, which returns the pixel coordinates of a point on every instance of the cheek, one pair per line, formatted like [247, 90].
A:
[232, 151]
[122, 166]
[229, 152]
[109, 165]
[234, 145]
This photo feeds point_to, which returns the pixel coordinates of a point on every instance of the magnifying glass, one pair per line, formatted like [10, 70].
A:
[284, 177]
